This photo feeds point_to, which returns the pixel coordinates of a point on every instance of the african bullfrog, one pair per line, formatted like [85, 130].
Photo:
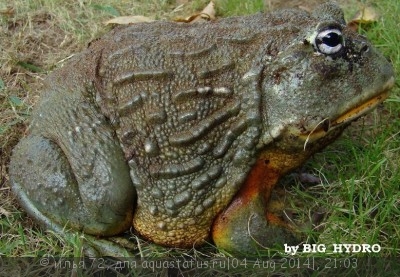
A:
[183, 130]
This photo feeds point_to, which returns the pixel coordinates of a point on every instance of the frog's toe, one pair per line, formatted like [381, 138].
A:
[108, 247]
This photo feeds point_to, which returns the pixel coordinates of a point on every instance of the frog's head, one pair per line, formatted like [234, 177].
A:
[325, 78]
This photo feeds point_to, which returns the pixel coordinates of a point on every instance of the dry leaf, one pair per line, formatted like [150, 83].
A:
[9, 11]
[125, 20]
[207, 14]
[366, 15]
[209, 10]
[4, 212]
[307, 178]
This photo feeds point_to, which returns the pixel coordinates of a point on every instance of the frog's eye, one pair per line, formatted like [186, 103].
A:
[329, 41]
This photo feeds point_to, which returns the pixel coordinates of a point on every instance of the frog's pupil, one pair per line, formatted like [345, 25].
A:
[332, 39]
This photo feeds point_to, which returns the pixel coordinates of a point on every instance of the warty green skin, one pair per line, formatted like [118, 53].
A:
[177, 114]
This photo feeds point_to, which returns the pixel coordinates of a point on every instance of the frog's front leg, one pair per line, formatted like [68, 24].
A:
[246, 226]
[70, 170]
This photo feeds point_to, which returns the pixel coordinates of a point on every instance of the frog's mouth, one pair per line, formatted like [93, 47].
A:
[349, 115]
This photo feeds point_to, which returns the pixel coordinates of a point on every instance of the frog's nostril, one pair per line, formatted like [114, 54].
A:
[364, 48]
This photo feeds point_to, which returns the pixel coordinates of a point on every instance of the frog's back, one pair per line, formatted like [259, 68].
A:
[184, 102]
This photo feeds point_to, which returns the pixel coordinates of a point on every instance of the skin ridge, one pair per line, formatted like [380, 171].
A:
[212, 58]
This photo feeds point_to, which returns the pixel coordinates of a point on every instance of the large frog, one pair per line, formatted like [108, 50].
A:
[183, 130]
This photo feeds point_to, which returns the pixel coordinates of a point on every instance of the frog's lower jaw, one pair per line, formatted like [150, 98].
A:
[350, 112]
[246, 227]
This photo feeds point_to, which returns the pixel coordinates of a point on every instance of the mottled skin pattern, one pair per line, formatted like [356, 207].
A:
[179, 115]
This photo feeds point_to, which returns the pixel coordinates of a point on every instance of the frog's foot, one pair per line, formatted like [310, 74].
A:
[109, 247]
[250, 230]
[246, 226]
[84, 199]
